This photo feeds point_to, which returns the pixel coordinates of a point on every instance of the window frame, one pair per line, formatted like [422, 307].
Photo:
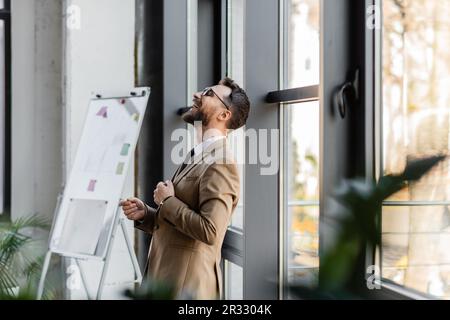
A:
[233, 244]
[389, 289]
[261, 218]
[284, 98]
[5, 15]
[367, 57]
[285, 204]
[371, 46]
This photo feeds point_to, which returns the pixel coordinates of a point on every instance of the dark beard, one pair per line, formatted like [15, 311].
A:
[196, 116]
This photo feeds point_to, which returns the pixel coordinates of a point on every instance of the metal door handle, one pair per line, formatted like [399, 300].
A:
[348, 94]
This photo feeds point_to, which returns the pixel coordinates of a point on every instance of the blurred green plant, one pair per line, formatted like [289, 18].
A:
[152, 290]
[20, 264]
[356, 221]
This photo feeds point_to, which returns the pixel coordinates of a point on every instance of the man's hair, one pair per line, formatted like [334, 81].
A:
[240, 104]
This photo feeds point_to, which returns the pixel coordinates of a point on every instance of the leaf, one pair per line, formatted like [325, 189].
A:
[152, 290]
[33, 267]
[357, 224]
[14, 264]
[417, 168]
[7, 281]
[338, 264]
[30, 222]
[414, 171]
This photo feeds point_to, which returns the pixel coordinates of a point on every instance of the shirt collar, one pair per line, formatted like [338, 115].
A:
[206, 143]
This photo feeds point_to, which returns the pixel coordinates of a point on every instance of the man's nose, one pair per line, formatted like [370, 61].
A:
[196, 96]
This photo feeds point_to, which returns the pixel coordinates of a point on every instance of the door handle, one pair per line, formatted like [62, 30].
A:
[348, 94]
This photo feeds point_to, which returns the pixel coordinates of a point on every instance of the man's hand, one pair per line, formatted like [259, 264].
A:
[133, 208]
[162, 191]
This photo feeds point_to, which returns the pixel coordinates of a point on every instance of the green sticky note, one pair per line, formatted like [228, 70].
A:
[125, 149]
[120, 168]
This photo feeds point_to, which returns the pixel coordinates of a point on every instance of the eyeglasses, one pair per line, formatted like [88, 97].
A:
[210, 93]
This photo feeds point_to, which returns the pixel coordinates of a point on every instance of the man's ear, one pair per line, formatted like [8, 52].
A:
[225, 115]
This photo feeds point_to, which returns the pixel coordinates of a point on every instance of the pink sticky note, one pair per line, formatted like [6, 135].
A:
[103, 112]
[91, 187]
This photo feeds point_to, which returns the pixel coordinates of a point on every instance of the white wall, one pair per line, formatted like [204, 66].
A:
[36, 106]
[54, 71]
[99, 57]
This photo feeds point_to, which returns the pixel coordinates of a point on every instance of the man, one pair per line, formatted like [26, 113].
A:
[195, 207]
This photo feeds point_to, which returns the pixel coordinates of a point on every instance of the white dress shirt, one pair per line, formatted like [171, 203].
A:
[205, 144]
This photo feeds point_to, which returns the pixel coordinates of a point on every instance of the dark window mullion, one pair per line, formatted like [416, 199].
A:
[5, 16]
[415, 203]
[6, 8]
[294, 95]
[233, 247]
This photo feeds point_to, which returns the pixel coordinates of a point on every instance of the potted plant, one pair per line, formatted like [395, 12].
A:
[20, 258]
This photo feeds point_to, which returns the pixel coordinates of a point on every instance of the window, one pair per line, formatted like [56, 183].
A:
[301, 142]
[237, 143]
[303, 54]
[233, 18]
[235, 70]
[234, 285]
[4, 102]
[415, 123]
[302, 174]
[233, 25]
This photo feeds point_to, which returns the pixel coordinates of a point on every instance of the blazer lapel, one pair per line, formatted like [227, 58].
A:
[179, 168]
[175, 174]
[199, 158]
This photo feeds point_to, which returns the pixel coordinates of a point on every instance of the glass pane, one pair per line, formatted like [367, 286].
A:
[302, 180]
[235, 70]
[416, 99]
[2, 114]
[234, 281]
[303, 245]
[415, 244]
[235, 41]
[236, 141]
[303, 46]
[303, 151]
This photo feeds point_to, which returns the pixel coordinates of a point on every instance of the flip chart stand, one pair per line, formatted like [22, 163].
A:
[95, 184]
[118, 220]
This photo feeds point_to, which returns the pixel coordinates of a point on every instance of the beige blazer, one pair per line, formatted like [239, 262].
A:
[188, 229]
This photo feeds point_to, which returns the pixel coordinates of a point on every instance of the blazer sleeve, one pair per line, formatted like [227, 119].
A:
[218, 192]
[148, 223]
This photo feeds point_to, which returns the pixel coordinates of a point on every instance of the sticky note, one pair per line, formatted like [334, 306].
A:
[91, 186]
[103, 112]
[125, 149]
[120, 167]
[130, 107]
